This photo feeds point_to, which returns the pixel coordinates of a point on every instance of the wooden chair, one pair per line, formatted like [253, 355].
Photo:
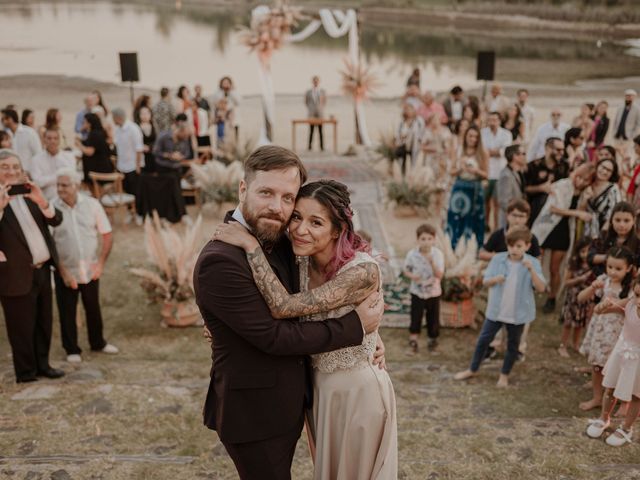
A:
[108, 189]
[191, 190]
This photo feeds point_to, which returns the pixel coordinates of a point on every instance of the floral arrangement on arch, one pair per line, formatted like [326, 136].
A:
[462, 268]
[269, 29]
[173, 258]
[358, 81]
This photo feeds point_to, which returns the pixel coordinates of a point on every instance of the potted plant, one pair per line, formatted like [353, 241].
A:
[460, 282]
[218, 183]
[169, 280]
[411, 194]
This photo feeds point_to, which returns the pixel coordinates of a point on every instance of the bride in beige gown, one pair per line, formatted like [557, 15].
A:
[354, 410]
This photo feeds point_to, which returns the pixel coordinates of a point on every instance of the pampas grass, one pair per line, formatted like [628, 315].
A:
[217, 181]
[173, 257]
[461, 267]
[415, 188]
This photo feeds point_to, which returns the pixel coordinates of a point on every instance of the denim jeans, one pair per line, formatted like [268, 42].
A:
[488, 332]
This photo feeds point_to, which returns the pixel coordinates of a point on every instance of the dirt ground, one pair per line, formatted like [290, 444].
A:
[137, 415]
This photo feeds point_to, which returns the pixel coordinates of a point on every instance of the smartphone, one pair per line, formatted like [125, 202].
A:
[19, 189]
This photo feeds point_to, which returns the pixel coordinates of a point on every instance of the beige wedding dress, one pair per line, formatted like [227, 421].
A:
[354, 406]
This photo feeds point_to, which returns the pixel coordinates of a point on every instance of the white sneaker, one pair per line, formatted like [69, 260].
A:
[597, 427]
[74, 358]
[139, 220]
[128, 218]
[112, 349]
[619, 438]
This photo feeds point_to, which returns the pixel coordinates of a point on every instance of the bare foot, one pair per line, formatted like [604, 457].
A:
[590, 405]
[562, 351]
[503, 381]
[464, 375]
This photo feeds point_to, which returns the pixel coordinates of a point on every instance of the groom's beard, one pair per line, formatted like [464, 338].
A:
[266, 233]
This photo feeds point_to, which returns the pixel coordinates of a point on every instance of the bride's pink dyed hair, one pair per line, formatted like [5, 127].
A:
[334, 196]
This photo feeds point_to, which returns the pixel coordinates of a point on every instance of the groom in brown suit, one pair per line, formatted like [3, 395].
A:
[260, 378]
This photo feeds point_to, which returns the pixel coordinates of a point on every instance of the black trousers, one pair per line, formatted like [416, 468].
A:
[29, 318]
[432, 308]
[268, 459]
[67, 308]
[311, 129]
[131, 184]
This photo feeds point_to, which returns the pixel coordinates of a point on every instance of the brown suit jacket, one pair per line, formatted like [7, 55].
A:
[16, 274]
[259, 374]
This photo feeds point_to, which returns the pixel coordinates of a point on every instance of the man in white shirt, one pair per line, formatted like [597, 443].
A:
[552, 128]
[81, 262]
[130, 147]
[28, 252]
[454, 105]
[26, 141]
[497, 102]
[528, 114]
[46, 163]
[494, 139]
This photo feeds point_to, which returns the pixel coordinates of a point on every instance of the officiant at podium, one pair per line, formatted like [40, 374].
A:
[316, 100]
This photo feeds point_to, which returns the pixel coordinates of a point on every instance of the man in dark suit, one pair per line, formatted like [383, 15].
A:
[28, 252]
[260, 378]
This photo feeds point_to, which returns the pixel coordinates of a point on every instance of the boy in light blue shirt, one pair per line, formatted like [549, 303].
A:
[512, 277]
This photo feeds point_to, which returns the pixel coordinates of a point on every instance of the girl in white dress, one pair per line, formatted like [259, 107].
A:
[622, 373]
[354, 411]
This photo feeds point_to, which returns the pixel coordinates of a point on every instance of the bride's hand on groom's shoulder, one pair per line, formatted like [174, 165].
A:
[235, 234]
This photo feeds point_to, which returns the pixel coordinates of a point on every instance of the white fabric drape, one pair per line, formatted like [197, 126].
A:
[337, 24]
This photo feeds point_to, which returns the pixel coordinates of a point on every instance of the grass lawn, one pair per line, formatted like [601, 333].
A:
[137, 415]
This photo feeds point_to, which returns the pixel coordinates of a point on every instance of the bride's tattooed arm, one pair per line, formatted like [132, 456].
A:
[351, 287]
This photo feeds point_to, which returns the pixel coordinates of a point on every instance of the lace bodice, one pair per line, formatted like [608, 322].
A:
[344, 358]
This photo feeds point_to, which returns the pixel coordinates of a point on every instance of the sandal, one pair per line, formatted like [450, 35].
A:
[413, 345]
[619, 438]
[597, 427]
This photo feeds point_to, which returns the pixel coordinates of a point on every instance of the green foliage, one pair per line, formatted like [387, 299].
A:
[403, 194]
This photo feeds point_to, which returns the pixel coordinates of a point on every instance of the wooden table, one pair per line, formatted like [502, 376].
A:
[315, 121]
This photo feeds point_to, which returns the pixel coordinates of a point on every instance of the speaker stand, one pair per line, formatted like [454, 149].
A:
[484, 91]
[131, 92]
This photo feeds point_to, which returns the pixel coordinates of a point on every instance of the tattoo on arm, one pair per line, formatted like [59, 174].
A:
[350, 287]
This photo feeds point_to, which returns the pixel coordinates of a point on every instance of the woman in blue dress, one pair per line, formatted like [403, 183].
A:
[465, 216]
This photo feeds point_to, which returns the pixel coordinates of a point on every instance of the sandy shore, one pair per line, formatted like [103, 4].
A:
[40, 92]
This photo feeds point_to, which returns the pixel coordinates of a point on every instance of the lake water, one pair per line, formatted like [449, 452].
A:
[199, 46]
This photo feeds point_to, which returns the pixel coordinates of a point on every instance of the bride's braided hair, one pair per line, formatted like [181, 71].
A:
[334, 196]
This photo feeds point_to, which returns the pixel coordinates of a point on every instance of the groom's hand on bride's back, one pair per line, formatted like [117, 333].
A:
[370, 312]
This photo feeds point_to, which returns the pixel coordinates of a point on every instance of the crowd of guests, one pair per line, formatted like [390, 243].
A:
[559, 190]
[52, 214]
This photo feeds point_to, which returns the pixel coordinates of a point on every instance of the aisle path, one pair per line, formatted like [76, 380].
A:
[367, 192]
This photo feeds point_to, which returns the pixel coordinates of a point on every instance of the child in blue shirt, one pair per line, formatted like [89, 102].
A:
[512, 277]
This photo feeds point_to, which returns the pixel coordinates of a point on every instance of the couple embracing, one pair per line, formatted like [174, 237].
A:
[271, 300]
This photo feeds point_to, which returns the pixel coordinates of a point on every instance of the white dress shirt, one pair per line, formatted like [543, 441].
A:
[456, 110]
[544, 132]
[77, 236]
[26, 144]
[498, 141]
[44, 167]
[35, 240]
[129, 141]
[528, 116]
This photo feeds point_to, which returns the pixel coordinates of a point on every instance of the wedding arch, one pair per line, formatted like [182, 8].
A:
[271, 28]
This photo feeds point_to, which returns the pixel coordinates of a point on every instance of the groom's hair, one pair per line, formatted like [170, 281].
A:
[272, 157]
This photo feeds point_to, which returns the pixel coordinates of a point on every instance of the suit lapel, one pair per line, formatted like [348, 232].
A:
[12, 220]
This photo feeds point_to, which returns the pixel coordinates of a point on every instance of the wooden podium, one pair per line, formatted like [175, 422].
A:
[315, 121]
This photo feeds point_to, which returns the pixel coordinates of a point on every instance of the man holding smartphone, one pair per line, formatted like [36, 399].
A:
[25, 269]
